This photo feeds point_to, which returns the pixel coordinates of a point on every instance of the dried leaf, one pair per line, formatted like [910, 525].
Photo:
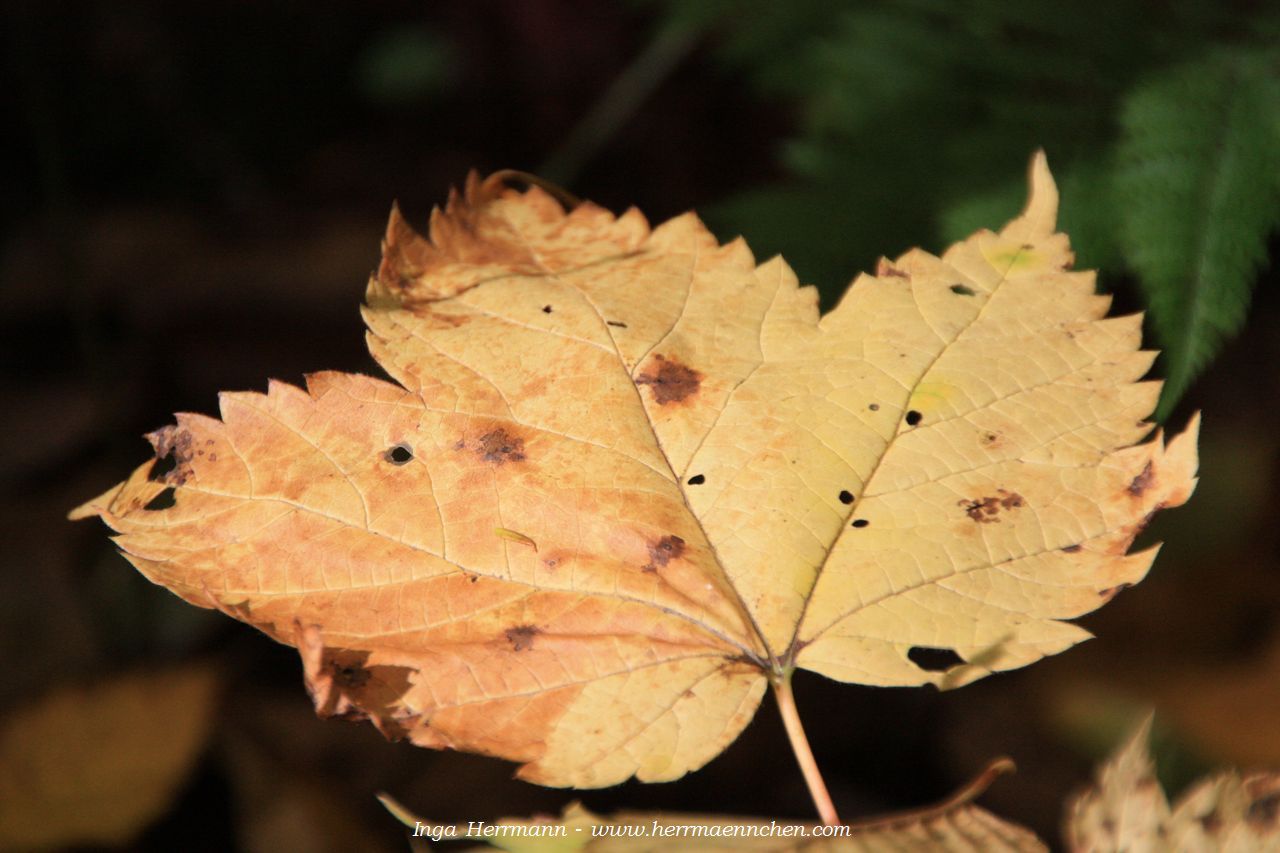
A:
[720, 485]
[1127, 810]
[96, 765]
[953, 825]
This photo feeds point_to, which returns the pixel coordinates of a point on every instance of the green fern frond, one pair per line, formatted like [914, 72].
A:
[1198, 188]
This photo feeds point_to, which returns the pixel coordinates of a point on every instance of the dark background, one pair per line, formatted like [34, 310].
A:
[193, 200]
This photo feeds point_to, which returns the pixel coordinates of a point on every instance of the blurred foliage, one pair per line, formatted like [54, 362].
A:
[1161, 121]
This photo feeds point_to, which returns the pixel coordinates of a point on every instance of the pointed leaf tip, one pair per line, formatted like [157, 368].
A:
[1041, 211]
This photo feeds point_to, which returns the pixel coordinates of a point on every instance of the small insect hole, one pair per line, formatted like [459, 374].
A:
[934, 660]
[697, 479]
[399, 454]
[860, 523]
[163, 465]
[875, 407]
[164, 500]
[963, 290]
[846, 497]
[546, 309]
[914, 417]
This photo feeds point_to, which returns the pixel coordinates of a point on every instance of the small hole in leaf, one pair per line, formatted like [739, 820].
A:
[164, 500]
[163, 465]
[934, 660]
[860, 523]
[697, 479]
[846, 497]
[875, 407]
[546, 309]
[399, 455]
[914, 417]
[963, 290]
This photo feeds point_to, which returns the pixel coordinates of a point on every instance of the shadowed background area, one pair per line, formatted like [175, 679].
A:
[195, 198]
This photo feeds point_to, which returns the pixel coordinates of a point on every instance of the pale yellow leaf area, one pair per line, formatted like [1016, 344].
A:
[625, 476]
[1126, 809]
[95, 764]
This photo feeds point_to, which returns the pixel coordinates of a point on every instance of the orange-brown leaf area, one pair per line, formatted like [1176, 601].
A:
[625, 475]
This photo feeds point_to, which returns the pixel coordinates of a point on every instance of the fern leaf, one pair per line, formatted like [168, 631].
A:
[1198, 186]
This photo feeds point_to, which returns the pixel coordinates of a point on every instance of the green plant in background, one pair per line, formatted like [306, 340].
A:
[1164, 123]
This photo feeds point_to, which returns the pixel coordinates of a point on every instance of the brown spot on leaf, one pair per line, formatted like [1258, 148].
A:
[963, 290]
[346, 687]
[499, 447]
[663, 551]
[174, 452]
[670, 381]
[1143, 481]
[616, 323]
[986, 510]
[521, 637]
[1071, 549]
[1211, 822]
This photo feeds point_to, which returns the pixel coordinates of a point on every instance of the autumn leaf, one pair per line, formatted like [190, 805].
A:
[96, 764]
[627, 477]
[1127, 810]
[952, 826]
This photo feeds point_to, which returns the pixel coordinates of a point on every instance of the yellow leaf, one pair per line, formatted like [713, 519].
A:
[1127, 810]
[95, 765]
[723, 486]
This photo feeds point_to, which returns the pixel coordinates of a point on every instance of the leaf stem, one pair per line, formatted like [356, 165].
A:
[804, 755]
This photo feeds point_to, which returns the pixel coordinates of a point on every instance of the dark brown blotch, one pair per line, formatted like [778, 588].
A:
[663, 551]
[1071, 549]
[963, 290]
[986, 510]
[521, 637]
[175, 449]
[1139, 484]
[499, 447]
[670, 381]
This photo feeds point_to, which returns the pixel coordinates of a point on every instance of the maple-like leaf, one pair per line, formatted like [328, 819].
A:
[626, 477]
[1127, 809]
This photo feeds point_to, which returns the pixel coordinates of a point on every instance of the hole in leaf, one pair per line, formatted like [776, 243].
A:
[860, 522]
[914, 417]
[697, 479]
[399, 455]
[163, 465]
[934, 660]
[846, 497]
[546, 309]
[962, 290]
[164, 500]
[875, 407]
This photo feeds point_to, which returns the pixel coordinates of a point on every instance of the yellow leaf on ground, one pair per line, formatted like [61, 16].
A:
[1127, 810]
[95, 765]
[627, 476]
